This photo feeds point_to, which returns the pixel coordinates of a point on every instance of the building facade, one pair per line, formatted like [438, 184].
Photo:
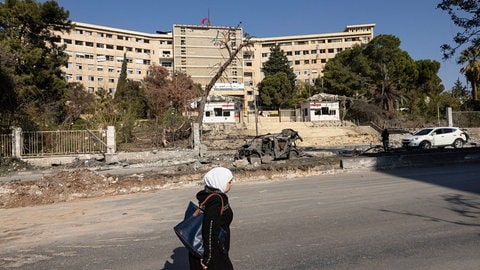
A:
[96, 55]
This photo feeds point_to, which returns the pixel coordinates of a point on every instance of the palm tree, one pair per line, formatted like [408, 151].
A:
[471, 57]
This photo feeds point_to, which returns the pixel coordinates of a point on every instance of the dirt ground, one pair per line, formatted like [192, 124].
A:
[75, 182]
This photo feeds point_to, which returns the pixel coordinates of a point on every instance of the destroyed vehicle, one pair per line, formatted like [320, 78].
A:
[269, 147]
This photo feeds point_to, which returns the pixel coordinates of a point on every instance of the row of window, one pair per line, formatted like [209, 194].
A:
[165, 53]
[103, 58]
[305, 52]
[119, 37]
[319, 41]
[101, 68]
[91, 90]
[69, 77]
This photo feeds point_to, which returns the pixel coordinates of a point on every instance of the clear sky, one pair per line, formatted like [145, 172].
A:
[421, 27]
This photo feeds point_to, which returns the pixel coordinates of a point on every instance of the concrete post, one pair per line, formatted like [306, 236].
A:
[196, 136]
[17, 142]
[111, 156]
[449, 117]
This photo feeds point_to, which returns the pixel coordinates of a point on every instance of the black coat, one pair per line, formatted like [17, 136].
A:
[215, 251]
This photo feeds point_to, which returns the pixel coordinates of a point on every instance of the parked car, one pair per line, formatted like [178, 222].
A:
[436, 137]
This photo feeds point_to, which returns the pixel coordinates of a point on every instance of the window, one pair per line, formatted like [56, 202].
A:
[297, 72]
[90, 67]
[289, 53]
[306, 62]
[79, 42]
[78, 77]
[68, 77]
[322, 51]
[91, 78]
[234, 73]
[218, 111]
[79, 32]
[264, 55]
[207, 114]
[100, 34]
[78, 66]
[67, 41]
[69, 65]
[129, 71]
[120, 37]
[138, 72]
[100, 45]
[88, 56]
[305, 52]
[111, 69]
[147, 51]
[166, 64]
[297, 62]
[100, 79]
[306, 72]
[88, 33]
[109, 46]
[108, 35]
[331, 50]
[88, 44]
[90, 90]
[313, 51]
[100, 68]
[226, 114]
[297, 52]
[339, 50]
[120, 48]
[111, 80]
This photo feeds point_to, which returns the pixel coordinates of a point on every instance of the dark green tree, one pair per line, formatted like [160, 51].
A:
[121, 91]
[278, 62]
[27, 31]
[459, 90]
[464, 14]
[276, 91]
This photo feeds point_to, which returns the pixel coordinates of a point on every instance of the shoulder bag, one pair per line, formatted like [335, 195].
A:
[189, 231]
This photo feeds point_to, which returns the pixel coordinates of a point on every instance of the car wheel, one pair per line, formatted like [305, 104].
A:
[425, 145]
[458, 143]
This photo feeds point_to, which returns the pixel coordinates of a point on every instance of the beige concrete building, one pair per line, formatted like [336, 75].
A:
[97, 52]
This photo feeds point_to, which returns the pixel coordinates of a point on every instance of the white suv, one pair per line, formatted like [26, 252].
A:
[436, 137]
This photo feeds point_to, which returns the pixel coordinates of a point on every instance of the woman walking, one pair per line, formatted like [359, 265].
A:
[216, 222]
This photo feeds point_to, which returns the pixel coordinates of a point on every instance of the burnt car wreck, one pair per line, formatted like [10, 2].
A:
[270, 147]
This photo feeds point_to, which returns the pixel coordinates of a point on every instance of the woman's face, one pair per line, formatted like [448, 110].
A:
[229, 186]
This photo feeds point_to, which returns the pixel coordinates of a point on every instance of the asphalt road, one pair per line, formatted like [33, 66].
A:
[421, 218]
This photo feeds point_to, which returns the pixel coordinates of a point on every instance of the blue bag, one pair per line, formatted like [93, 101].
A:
[189, 231]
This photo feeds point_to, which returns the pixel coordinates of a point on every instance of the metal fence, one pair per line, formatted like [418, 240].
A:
[6, 143]
[48, 143]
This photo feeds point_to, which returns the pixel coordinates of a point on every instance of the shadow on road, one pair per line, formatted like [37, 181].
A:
[468, 209]
[180, 260]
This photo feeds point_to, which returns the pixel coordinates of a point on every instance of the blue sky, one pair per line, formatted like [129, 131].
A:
[421, 27]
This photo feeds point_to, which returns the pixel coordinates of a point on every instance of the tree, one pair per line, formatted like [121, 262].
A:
[168, 100]
[76, 102]
[379, 72]
[464, 14]
[471, 57]
[275, 90]
[278, 62]
[27, 31]
[226, 44]
[459, 90]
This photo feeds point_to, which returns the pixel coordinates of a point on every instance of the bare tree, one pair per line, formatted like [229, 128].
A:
[224, 43]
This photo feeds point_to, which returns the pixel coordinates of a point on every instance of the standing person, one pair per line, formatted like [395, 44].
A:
[385, 140]
[218, 180]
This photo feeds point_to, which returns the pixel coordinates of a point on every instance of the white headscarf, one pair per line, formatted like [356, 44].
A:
[218, 178]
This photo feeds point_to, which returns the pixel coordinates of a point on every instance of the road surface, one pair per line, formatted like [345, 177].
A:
[421, 218]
